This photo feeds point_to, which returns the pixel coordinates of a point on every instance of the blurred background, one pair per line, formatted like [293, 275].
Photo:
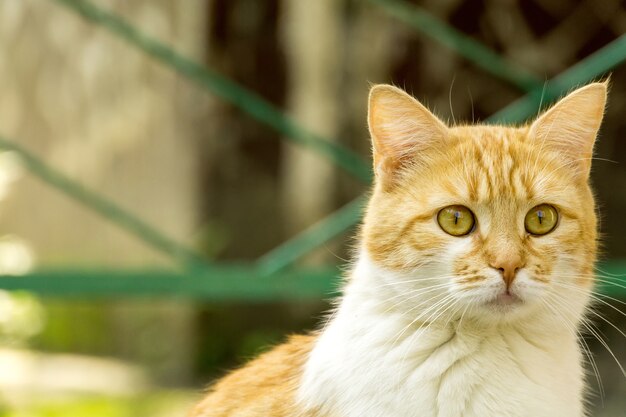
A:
[143, 192]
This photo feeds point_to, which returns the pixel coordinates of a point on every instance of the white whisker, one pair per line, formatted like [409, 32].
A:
[584, 344]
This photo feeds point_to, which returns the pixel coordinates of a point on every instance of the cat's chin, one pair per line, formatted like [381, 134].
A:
[505, 301]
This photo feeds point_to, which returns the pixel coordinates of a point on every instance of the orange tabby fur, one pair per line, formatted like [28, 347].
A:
[264, 387]
[500, 172]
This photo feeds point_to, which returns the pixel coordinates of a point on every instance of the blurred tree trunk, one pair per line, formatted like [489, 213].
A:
[241, 155]
[312, 34]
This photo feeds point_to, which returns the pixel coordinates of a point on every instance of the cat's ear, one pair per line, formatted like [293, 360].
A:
[570, 126]
[400, 128]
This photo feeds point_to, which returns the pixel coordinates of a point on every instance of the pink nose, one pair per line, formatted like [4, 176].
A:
[508, 265]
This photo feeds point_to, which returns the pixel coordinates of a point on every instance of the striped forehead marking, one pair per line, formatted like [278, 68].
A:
[494, 167]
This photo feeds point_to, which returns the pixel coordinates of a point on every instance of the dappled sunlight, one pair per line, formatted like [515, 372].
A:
[16, 256]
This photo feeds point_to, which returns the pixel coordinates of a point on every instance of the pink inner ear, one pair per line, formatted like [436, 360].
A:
[400, 126]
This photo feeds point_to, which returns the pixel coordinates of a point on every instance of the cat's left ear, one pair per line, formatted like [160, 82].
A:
[570, 127]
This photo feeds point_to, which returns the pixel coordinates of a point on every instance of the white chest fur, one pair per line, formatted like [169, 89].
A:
[361, 367]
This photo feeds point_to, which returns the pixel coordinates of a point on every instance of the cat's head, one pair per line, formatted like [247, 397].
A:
[492, 220]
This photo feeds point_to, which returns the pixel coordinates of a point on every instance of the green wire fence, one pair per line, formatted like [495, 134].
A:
[273, 276]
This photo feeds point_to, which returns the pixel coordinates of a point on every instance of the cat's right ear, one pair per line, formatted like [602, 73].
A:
[400, 127]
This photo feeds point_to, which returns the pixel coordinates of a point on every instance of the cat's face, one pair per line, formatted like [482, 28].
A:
[489, 221]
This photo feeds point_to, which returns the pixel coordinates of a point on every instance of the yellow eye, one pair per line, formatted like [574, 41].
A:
[541, 219]
[456, 220]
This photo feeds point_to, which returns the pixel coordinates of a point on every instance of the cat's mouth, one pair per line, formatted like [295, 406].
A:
[505, 300]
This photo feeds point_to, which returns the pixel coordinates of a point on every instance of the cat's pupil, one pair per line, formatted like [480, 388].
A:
[540, 215]
[457, 216]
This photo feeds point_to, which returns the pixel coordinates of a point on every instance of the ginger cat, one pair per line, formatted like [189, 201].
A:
[475, 267]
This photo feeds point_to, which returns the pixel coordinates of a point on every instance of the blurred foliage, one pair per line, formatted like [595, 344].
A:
[232, 334]
[155, 404]
[80, 327]
[21, 317]
[132, 331]
[212, 238]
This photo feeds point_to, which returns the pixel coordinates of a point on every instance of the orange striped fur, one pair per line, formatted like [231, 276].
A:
[264, 387]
